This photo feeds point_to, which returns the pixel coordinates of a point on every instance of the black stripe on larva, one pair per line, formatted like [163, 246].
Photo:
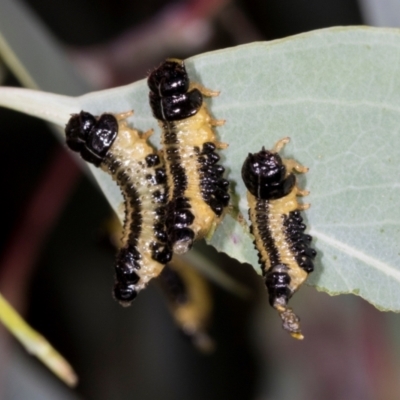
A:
[170, 99]
[161, 176]
[299, 242]
[133, 205]
[170, 135]
[214, 190]
[179, 177]
[265, 234]
[90, 136]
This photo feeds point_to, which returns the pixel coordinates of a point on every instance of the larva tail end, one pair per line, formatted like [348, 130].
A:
[124, 293]
[291, 323]
[203, 342]
[182, 246]
[182, 240]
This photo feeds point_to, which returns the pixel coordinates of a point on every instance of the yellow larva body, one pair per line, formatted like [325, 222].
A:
[191, 133]
[190, 301]
[277, 210]
[109, 143]
[284, 253]
[127, 156]
[198, 195]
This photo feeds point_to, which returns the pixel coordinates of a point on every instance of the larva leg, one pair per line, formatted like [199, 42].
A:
[280, 144]
[221, 145]
[302, 207]
[203, 90]
[216, 122]
[290, 164]
[147, 134]
[293, 165]
[302, 193]
[123, 115]
[212, 230]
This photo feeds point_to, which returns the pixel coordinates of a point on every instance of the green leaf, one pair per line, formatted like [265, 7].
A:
[336, 94]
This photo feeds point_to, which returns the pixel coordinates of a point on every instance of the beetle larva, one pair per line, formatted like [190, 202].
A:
[198, 195]
[107, 142]
[190, 301]
[283, 249]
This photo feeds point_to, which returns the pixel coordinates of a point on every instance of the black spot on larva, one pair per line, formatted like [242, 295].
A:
[208, 147]
[298, 241]
[160, 233]
[161, 253]
[160, 197]
[218, 171]
[161, 176]
[277, 281]
[183, 218]
[152, 160]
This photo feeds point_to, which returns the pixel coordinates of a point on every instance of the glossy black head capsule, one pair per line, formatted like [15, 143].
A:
[170, 78]
[90, 136]
[263, 173]
[169, 97]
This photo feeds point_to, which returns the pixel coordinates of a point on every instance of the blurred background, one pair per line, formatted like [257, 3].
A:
[56, 260]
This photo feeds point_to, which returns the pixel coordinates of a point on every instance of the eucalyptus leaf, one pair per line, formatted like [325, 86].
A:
[336, 94]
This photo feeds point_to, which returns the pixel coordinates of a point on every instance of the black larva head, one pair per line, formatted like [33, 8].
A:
[90, 136]
[78, 128]
[170, 78]
[169, 96]
[263, 173]
[177, 106]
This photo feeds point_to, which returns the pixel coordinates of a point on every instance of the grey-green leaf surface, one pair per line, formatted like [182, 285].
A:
[336, 94]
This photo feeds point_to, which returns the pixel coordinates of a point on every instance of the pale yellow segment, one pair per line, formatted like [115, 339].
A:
[197, 129]
[36, 344]
[276, 210]
[194, 315]
[194, 132]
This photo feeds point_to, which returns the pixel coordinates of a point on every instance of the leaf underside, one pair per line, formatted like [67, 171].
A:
[336, 94]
